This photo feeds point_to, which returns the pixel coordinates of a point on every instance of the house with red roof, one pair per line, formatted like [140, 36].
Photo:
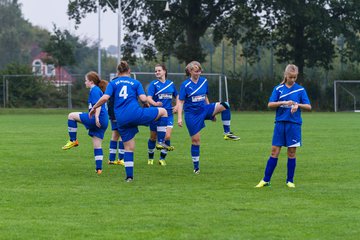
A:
[42, 65]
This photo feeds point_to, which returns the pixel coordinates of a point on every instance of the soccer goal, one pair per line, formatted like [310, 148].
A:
[346, 95]
[218, 88]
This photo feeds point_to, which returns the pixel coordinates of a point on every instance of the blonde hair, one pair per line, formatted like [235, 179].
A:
[191, 66]
[94, 77]
[290, 68]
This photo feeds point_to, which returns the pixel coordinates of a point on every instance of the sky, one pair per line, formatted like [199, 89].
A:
[44, 13]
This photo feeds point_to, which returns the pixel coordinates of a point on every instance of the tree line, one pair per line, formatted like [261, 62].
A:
[320, 36]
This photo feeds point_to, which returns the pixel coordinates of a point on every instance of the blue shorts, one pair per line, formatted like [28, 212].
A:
[128, 126]
[113, 125]
[90, 124]
[170, 123]
[196, 121]
[287, 134]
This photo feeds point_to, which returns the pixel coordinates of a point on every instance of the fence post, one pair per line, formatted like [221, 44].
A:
[69, 96]
[7, 92]
[4, 92]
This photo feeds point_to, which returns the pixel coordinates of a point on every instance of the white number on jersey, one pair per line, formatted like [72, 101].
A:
[123, 92]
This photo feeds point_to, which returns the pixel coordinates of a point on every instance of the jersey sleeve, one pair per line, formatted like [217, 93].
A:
[274, 95]
[304, 97]
[182, 94]
[175, 93]
[95, 95]
[140, 89]
[109, 89]
[207, 86]
[151, 90]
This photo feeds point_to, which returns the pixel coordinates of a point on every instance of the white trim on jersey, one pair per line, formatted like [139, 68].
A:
[281, 86]
[164, 88]
[297, 90]
[198, 88]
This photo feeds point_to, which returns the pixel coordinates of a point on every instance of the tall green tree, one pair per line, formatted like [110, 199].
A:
[61, 48]
[177, 32]
[17, 36]
[300, 31]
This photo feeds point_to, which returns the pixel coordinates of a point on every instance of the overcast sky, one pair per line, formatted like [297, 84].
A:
[44, 13]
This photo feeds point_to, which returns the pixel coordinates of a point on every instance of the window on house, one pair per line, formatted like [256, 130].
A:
[37, 67]
[50, 70]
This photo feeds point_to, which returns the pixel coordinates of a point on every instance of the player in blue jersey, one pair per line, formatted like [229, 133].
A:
[129, 114]
[288, 99]
[194, 101]
[160, 94]
[116, 144]
[96, 125]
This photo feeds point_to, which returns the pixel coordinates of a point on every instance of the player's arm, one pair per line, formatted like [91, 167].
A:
[303, 106]
[274, 105]
[207, 100]
[180, 111]
[99, 103]
[144, 100]
[152, 102]
[176, 107]
[97, 114]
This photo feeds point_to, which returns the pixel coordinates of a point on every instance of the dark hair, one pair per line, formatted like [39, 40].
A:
[123, 67]
[94, 77]
[163, 68]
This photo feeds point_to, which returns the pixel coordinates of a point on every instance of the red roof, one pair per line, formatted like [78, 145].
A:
[57, 74]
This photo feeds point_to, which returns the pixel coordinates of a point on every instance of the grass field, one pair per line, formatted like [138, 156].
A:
[48, 193]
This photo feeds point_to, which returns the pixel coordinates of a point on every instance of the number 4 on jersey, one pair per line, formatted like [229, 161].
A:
[123, 92]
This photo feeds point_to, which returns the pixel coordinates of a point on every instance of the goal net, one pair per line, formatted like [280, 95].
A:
[218, 90]
[347, 95]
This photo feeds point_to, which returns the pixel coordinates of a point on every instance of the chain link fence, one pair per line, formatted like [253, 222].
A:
[30, 91]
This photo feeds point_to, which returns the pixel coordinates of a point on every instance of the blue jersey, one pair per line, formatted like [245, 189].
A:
[125, 91]
[282, 93]
[94, 95]
[194, 95]
[110, 105]
[163, 92]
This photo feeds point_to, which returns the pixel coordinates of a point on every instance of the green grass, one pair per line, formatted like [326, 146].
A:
[48, 193]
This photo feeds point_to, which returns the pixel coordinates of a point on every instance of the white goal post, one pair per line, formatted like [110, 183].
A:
[218, 87]
[346, 95]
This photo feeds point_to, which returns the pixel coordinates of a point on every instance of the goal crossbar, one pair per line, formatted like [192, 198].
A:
[353, 96]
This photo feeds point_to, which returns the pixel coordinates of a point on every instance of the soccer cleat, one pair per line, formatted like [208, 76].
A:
[129, 179]
[231, 136]
[290, 185]
[262, 183]
[98, 171]
[118, 162]
[70, 144]
[197, 171]
[150, 161]
[161, 146]
[162, 162]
